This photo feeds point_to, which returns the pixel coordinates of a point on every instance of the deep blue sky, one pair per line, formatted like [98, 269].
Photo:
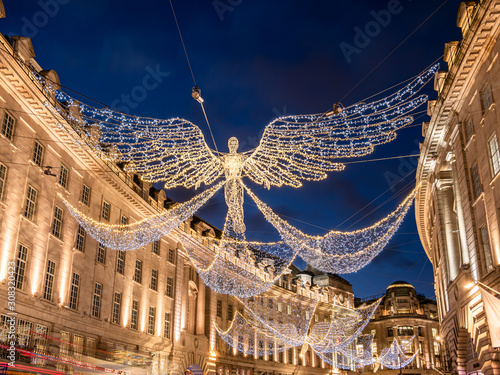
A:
[255, 60]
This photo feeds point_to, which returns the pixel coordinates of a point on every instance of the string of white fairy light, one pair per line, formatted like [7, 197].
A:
[338, 252]
[133, 236]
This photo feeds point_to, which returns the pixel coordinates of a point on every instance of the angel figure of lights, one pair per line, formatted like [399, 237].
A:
[293, 149]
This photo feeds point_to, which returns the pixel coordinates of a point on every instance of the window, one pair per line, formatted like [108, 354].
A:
[156, 247]
[166, 329]
[373, 332]
[124, 220]
[436, 348]
[290, 356]
[73, 294]
[485, 242]
[38, 154]
[154, 279]
[96, 300]
[469, 129]
[494, 155]
[101, 253]
[120, 262]
[170, 287]
[434, 333]
[171, 254]
[115, 318]
[151, 320]
[486, 99]
[80, 239]
[405, 331]
[57, 222]
[30, 206]
[476, 181]
[63, 176]
[219, 308]
[49, 280]
[138, 271]
[270, 304]
[22, 255]
[106, 209]
[24, 329]
[78, 342]
[229, 312]
[85, 195]
[8, 126]
[374, 348]
[390, 332]
[134, 315]
[3, 175]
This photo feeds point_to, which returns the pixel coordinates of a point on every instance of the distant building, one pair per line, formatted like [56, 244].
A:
[457, 206]
[404, 314]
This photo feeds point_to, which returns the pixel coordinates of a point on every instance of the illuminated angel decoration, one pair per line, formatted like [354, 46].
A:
[293, 149]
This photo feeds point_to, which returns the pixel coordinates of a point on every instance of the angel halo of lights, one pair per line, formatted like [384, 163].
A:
[292, 149]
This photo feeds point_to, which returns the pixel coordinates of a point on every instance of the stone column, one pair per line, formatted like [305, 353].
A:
[465, 259]
[452, 247]
[200, 308]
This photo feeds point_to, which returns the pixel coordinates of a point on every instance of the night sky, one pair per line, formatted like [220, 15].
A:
[255, 60]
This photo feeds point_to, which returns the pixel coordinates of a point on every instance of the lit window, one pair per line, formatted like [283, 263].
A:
[156, 247]
[63, 176]
[436, 348]
[106, 209]
[115, 318]
[49, 280]
[80, 239]
[166, 330]
[134, 315]
[8, 126]
[3, 175]
[170, 287]
[101, 253]
[171, 255]
[485, 242]
[120, 263]
[151, 320]
[38, 154]
[73, 295]
[154, 279]
[138, 271]
[96, 300]
[434, 332]
[30, 206]
[494, 155]
[405, 331]
[22, 255]
[57, 222]
[85, 195]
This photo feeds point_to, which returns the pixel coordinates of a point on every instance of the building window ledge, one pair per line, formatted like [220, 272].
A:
[24, 218]
[56, 238]
[493, 180]
[481, 196]
[3, 205]
[471, 139]
[485, 114]
[9, 141]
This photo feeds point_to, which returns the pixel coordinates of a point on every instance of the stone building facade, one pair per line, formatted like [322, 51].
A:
[404, 314]
[457, 206]
[83, 308]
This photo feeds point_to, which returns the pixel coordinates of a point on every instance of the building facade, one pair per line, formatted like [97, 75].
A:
[83, 308]
[411, 319]
[457, 206]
